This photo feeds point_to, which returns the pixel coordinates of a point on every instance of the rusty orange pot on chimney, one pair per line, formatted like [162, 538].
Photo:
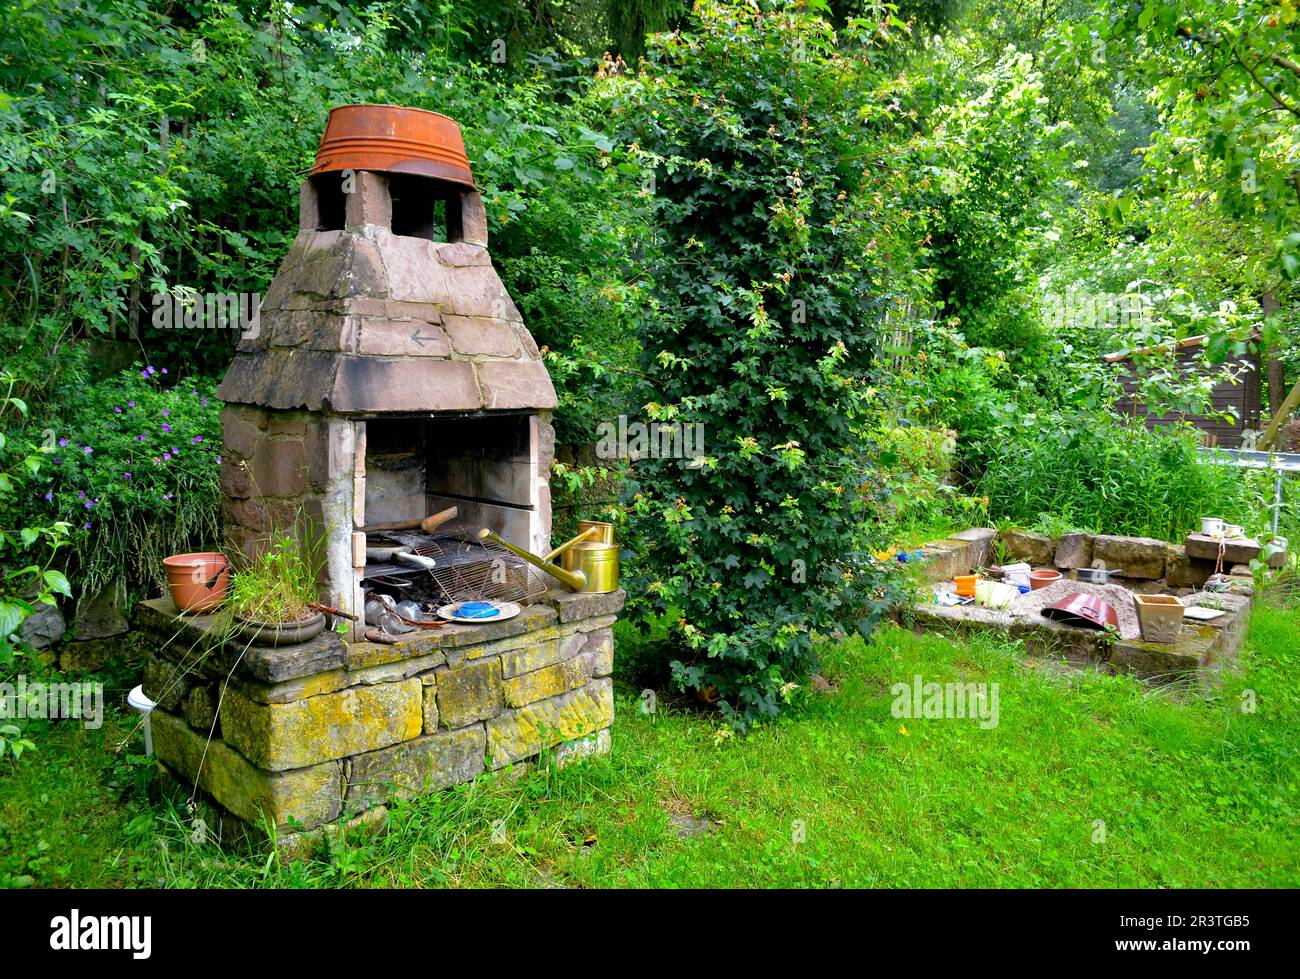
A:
[394, 139]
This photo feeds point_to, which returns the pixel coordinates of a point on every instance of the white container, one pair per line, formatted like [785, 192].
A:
[1017, 574]
[995, 594]
[1212, 526]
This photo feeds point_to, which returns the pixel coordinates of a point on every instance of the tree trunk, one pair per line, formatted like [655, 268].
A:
[1275, 371]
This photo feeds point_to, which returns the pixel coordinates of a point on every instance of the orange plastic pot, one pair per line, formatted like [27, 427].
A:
[1041, 579]
[394, 139]
[966, 584]
[198, 581]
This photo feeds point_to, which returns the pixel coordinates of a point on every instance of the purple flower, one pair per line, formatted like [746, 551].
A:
[195, 391]
[147, 372]
[130, 404]
[87, 449]
[218, 460]
[166, 427]
[164, 370]
[58, 461]
[49, 497]
[63, 441]
[167, 457]
[117, 409]
[204, 400]
[88, 504]
[87, 526]
[126, 475]
[81, 495]
[167, 411]
[196, 440]
[167, 496]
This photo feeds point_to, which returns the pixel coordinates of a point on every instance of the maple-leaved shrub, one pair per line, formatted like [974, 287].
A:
[771, 184]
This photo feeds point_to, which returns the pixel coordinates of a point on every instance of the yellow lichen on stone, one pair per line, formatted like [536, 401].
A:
[551, 681]
[310, 796]
[521, 733]
[335, 725]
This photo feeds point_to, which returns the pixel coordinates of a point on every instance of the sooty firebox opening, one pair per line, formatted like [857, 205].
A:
[485, 465]
[420, 206]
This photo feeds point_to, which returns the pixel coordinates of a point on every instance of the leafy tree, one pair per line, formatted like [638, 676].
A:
[1227, 79]
[991, 160]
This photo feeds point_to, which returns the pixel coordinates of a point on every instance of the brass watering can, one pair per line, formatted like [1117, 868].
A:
[590, 563]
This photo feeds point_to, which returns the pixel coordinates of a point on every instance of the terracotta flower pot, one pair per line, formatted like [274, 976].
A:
[1041, 579]
[199, 580]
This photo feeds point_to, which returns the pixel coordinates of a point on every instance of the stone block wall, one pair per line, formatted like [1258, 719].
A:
[1202, 649]
[1137, 560]
[310, 734]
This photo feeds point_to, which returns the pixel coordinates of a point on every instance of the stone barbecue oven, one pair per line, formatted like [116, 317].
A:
[392, 378]
[392, 375]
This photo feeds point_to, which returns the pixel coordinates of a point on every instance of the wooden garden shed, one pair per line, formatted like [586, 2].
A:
[1242, 397]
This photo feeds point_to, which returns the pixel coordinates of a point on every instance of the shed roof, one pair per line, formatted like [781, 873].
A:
[1186, 344]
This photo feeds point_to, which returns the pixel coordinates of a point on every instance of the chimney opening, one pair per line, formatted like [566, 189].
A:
[420, 206]
[330, 201]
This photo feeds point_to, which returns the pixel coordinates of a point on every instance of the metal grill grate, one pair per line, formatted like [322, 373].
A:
[467, 569]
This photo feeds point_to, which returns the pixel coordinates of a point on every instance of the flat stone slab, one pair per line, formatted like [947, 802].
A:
[1073, 551]
[189, 635]
[981, 541]
[956, 555]
[573, 606]
[1238, 550]
[208, 644]
[1034, 549]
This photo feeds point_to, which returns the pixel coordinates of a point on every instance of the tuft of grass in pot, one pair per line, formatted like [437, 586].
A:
[279, 584]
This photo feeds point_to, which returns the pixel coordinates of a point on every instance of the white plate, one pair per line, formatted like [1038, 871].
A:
[508, 611]
[1201, 614]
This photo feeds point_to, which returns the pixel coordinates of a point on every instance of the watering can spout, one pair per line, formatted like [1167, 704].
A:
[572, 580]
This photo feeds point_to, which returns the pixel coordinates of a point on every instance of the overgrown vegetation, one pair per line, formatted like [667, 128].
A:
[1109, 475]
[278, 584]
[876, 250]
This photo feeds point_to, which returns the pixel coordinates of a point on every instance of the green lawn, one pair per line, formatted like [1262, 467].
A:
[1192, 791]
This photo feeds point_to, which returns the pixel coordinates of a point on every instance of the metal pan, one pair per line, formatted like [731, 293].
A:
[1097, 576]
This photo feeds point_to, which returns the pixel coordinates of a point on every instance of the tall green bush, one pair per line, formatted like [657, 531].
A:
[762, 150]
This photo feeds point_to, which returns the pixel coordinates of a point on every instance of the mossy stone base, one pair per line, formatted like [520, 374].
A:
[283, 736]
[518, 734]
[311, 796]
